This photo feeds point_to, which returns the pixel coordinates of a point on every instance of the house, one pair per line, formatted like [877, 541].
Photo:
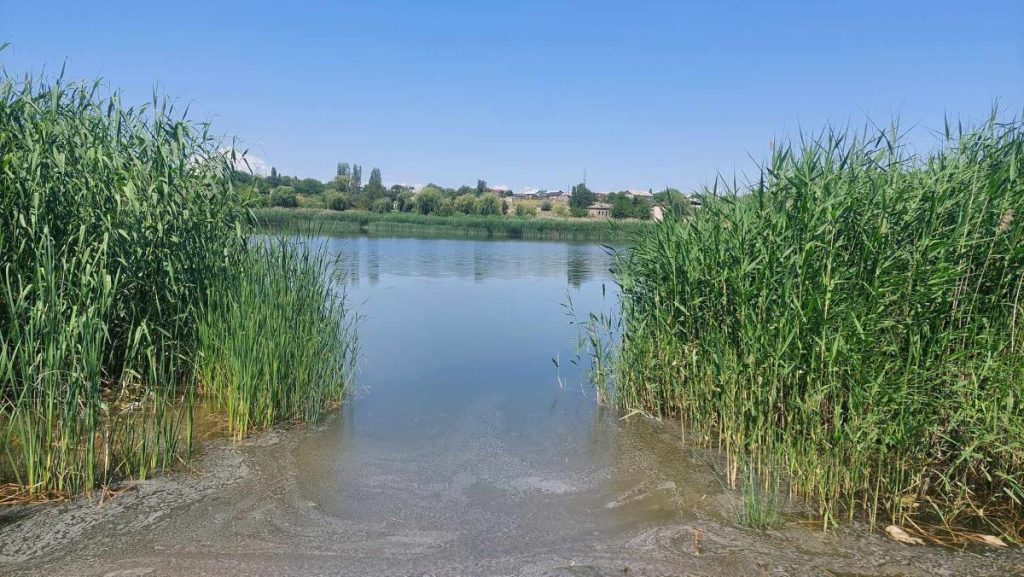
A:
[599, 210]
[639, 194]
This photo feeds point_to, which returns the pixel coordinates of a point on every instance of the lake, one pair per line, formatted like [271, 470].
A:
[471, 445]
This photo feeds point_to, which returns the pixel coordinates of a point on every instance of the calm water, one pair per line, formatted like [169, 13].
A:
[451, 326]
[464, 451]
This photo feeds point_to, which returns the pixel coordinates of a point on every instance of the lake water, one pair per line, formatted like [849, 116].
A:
[464, 450]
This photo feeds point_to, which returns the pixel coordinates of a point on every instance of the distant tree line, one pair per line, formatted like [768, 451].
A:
[346, 191]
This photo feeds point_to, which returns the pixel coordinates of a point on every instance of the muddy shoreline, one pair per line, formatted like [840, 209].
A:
[244, 511]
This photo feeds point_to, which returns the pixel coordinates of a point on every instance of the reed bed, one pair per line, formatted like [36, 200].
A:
[851, 324]
[251, 367]
[119, 227]
[461, 225]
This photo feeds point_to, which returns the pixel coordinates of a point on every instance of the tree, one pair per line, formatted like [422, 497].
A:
[465, 203]
[481, 187]
[406, 201]
[525, 210]
[622, 206]
[309, 187]
[581, 197]
[464, 190]
[489, 204]
[337, 201]
[396, 191]
[284, 196]
[381, 205]
[357, 178]
[676, 202]
[428, 200]
[342, 183]
[375, 187]
[343, 169]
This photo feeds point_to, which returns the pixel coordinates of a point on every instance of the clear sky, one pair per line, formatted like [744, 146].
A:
[638, 94]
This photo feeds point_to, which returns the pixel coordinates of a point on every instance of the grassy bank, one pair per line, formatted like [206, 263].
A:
[850, 324]
[123, 249]
[327, 222]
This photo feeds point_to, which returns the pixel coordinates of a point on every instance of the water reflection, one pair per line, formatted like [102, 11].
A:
[368, 259]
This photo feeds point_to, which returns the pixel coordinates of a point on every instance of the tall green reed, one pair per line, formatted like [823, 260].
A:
[850, 322]
[277, 342]
[118, 227]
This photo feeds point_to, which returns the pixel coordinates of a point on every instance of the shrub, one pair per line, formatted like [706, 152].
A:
[284, 196]
[427, 201]
[465, 204]
[524, 210]
[489, 204]
[337, 201]
[381, 205]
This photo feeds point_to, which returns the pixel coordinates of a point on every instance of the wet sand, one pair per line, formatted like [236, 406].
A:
[464, 505]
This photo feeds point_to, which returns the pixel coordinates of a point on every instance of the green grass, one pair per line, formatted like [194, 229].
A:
[347, 222]
[119, 232]
[850, 323]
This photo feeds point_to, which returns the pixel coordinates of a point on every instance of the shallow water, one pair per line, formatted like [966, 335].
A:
[464, 451]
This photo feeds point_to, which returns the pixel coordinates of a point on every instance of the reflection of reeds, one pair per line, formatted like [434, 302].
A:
[117, 228]
[852, 319]
[326, 222]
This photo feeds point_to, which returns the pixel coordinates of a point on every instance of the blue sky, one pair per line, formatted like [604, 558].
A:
[637, 94]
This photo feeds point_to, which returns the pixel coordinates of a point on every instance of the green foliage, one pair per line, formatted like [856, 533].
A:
[309, 187]
[337, 201]
[118, 227]
[406, 201]
[545, 206]
[110, 232]
[342, 183]
[427, 201]
[465, 204]
[446, 208]
[305, 201]
[675, 201]
[581, 197]
[381, 205]
[525, 211]
[284, 196]
[276, 342]
[560, 209]
[375, 188]
[850, 323]
[489, 204]
[625, 206]
[577, 212]
[357, 178]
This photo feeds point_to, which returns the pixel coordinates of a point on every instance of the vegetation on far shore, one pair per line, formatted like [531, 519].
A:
[327, 222]
[852, 324]
[347, 192]
[131, 290]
